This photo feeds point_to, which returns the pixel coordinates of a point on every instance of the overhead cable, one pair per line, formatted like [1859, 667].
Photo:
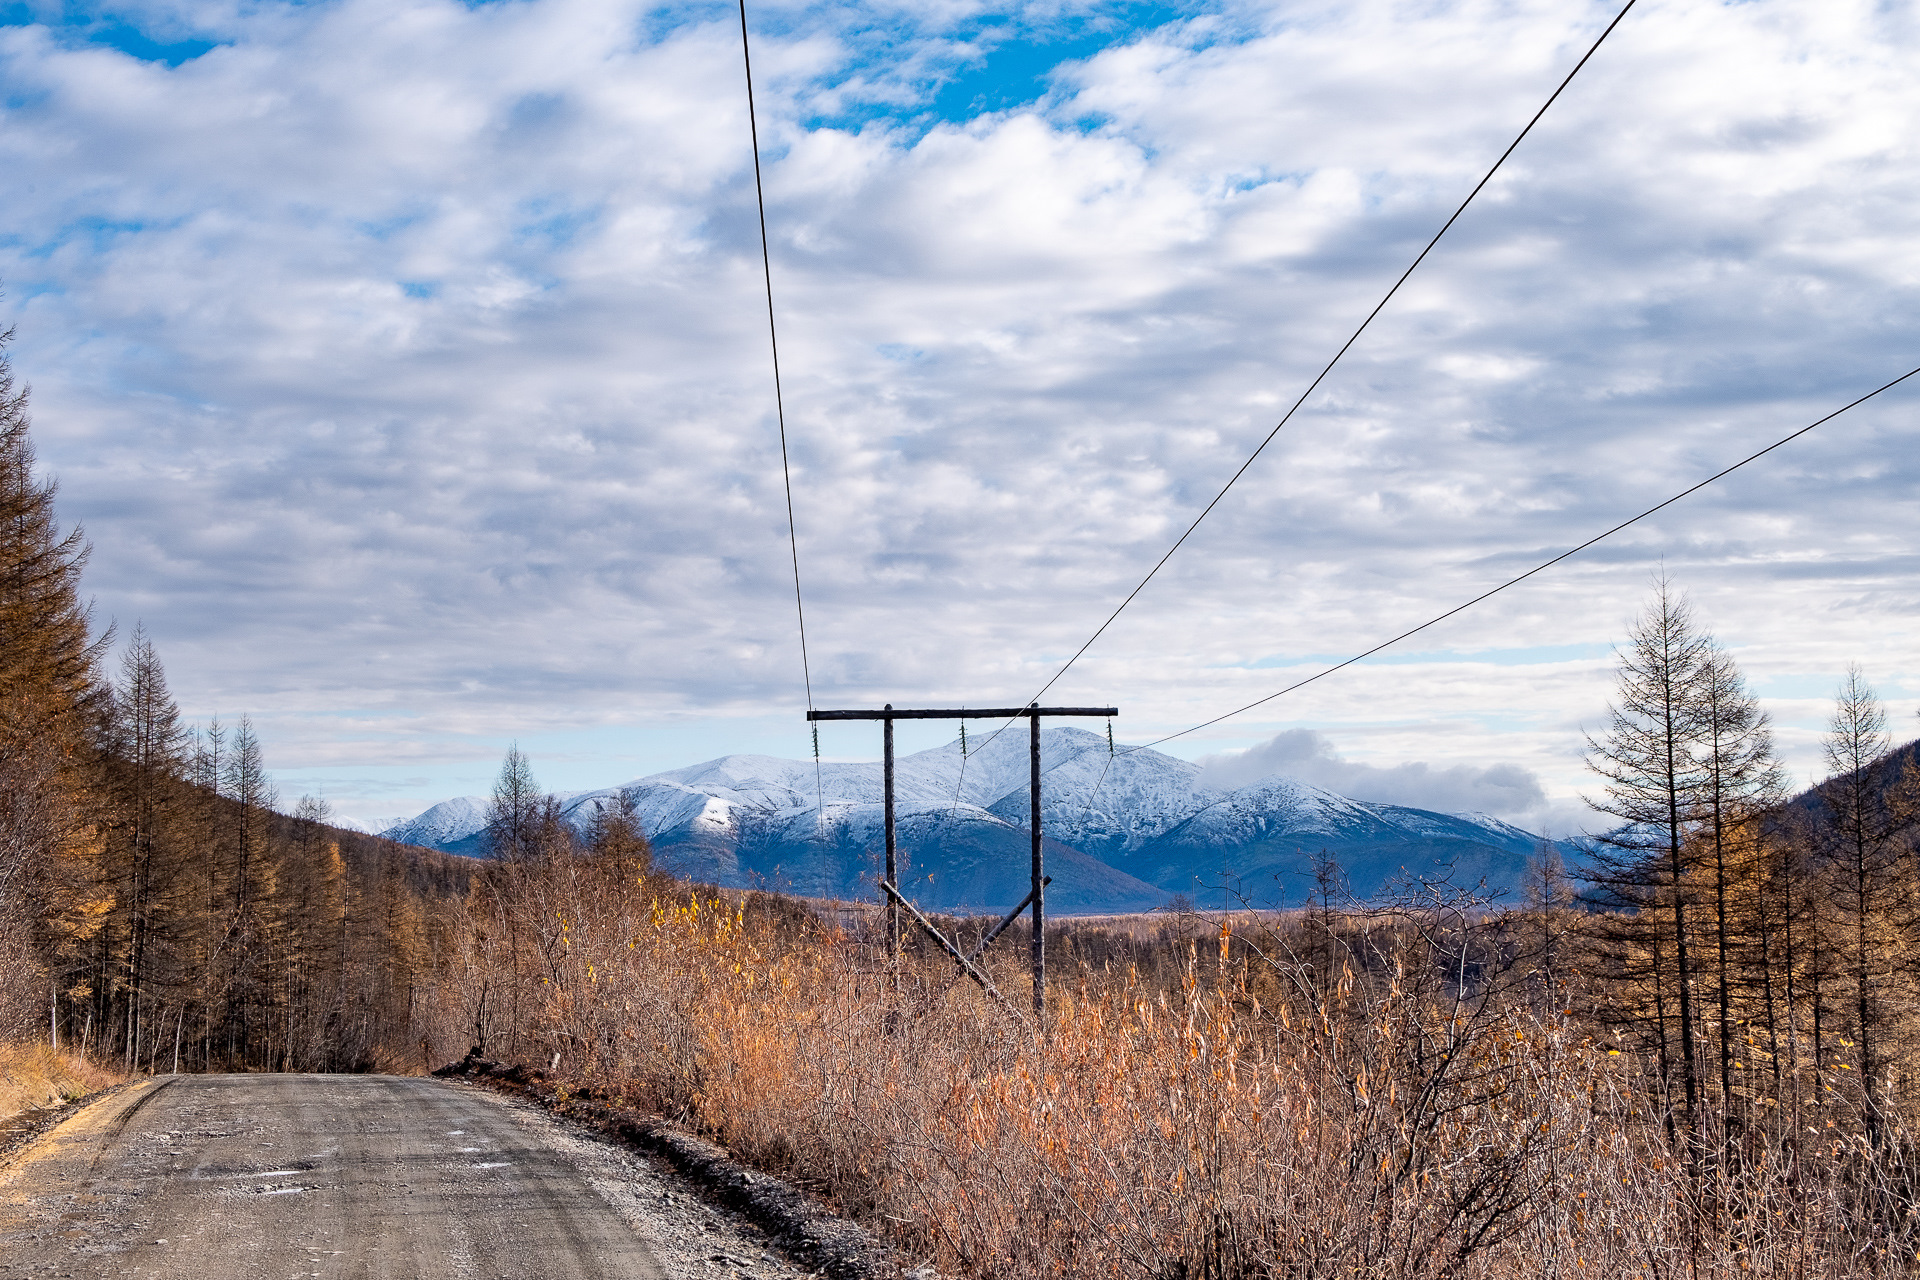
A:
[1328, 367]
[1542, 567]
[779, 401]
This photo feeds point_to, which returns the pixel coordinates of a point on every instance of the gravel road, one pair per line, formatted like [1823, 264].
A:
[250, 1177]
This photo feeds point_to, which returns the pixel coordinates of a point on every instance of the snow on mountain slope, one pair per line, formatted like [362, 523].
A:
[445, 823]
[1131, 824]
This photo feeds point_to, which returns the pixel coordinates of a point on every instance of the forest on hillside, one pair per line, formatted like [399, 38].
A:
[157, 909]
[1691, 1052]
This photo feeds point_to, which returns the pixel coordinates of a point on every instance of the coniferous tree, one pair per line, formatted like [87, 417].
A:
[1548, 894]
[514, 818]
[145, 763]
[50, 713]
[614, 835]
[1873, 894]
[1649, 762]
[1739, 777]
[248, 973]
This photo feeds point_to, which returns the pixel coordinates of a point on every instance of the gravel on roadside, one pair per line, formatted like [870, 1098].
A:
[713, 1197]
[22, 1127]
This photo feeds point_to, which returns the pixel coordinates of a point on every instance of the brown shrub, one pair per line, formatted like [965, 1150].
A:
[1374, 1097]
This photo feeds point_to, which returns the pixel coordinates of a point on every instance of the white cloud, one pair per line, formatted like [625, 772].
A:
[1505, 790]
[406, 363]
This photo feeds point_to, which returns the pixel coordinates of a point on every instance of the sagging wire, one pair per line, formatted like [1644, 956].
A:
[780, 412]
[1517, 579]
[1542, 567]
[1344, 348]
[1101, 781]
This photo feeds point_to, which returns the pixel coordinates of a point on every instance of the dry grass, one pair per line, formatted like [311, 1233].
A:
[33, 1075]
[1286, 1106]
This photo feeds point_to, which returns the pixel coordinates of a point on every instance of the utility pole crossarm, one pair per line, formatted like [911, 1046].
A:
[1036, 900]
[962, 713]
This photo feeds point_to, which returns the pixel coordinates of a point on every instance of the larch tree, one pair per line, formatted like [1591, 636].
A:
[1648, 760]
[248, 974]
[1548, 893]
[1873, 893]
[614, 835]
[51, 699]
[515, 818]
[146, 761]
[1738, 778]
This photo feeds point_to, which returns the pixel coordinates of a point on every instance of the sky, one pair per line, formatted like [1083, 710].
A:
[406, 363]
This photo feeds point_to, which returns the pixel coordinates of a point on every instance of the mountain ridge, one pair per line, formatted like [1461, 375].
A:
[1126, 829]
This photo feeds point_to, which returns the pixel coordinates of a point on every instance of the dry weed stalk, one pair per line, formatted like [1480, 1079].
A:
[1337, 1096]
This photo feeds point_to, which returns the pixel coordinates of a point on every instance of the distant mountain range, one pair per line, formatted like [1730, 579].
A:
[1124, 831]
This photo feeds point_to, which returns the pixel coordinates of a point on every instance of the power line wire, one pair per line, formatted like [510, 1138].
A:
[1328, 368]
[1539, 568]
[779, 400]
[1344, 347]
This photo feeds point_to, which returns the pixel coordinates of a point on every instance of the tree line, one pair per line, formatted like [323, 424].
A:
[1763, 952]
[156, 909]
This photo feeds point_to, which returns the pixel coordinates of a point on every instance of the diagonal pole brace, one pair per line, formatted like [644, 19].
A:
[972, 971]
[986, 940]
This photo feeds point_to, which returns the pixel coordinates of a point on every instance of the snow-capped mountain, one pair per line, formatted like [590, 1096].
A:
[1125, 829]
[449, 825]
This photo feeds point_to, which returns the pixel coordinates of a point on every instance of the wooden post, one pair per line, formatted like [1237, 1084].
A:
[893, 872]
[1039, 873]
[1033, 711]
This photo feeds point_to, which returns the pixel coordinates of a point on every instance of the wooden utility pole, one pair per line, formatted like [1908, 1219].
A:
[1034, 713]
[1038, 946]
[893, 871]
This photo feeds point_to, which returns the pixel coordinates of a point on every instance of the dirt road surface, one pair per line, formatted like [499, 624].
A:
[264, 1177]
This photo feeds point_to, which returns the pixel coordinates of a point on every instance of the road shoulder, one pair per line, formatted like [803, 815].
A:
[796, 1223]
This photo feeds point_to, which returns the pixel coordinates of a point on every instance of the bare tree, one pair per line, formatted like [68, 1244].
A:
[515, 817]
[1548, 893]
[146, 759]
[1873, 895]
[1739, 778]
[1649, 762]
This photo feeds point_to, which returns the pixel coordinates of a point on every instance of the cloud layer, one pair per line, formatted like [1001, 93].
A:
[406, 361]
[1507, 791]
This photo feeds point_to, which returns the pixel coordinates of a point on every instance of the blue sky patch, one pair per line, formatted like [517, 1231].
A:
[1020, 58]
[999, 61]
[108, 29]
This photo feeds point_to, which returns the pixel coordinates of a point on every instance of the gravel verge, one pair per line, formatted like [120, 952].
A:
[22, 1127]
[797, 1224]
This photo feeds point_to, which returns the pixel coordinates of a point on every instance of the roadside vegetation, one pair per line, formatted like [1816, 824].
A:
[33, 1074]
[1692, 1054]
[1420, 1088]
